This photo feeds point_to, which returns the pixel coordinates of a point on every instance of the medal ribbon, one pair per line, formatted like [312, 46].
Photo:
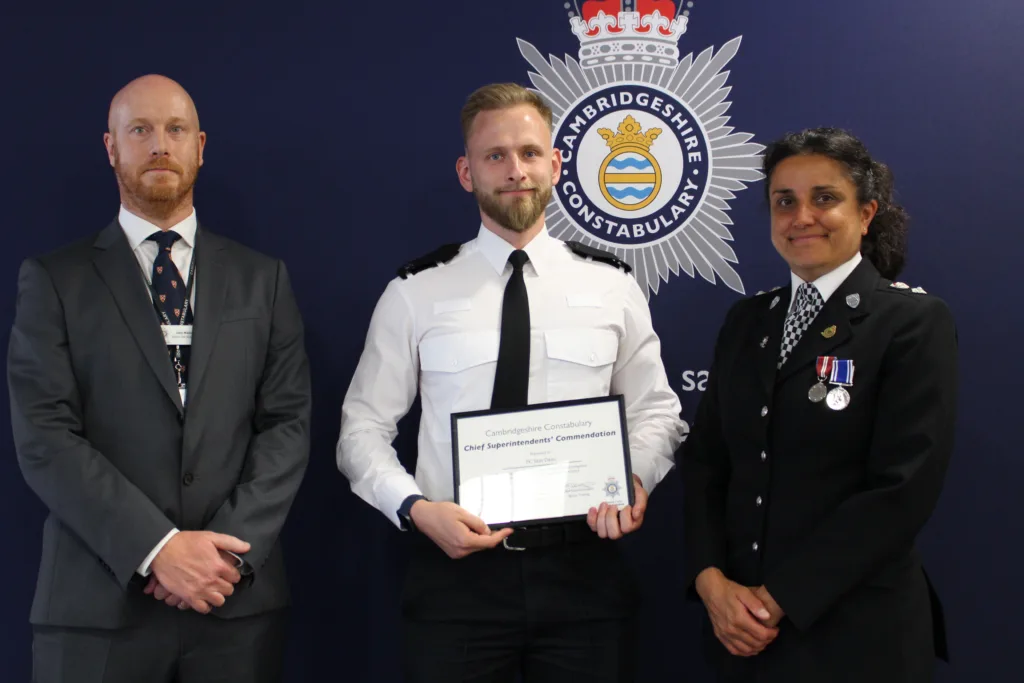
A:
[842, 373]
[825, 365]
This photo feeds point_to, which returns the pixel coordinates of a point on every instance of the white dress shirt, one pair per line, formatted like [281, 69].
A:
[137, 230]
[438, 332]
[828, 283]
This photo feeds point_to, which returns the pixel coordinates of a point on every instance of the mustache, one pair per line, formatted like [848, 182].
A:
[515, 188]
[163, 164]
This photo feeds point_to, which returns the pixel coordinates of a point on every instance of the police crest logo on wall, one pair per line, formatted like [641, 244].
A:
[649, 162]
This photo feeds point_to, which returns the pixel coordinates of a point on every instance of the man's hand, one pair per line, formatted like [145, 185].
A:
[610, 522]
[158, 591]
[738, 616]
[192, 568]
[155, 589]
[774, 610]
[453, 529]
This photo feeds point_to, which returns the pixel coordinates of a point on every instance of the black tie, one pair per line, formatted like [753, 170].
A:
[170, 290]
[512, 376]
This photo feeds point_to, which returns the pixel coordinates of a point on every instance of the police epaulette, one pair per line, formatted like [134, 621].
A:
[435, 258]
[598, 255]
[900, 287]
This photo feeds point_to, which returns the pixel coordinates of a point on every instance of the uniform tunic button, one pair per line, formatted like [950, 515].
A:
[764, 456]
[759, 501]
[188, 479]
[764, 411]
[755, 546]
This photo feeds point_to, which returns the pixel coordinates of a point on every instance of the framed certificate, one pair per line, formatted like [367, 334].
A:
[543, 463]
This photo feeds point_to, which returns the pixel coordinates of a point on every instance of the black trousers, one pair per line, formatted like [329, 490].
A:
[593, 651]
[169, 646]
[562, 613]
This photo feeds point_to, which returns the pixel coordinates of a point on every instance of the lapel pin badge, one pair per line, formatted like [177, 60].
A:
[829, 332]
[853, 300]
[775, 302]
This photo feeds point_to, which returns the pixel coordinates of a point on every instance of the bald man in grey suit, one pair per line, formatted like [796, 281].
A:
[168, 459]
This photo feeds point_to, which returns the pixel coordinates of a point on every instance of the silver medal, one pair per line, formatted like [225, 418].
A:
[838, 398]
[817, 393]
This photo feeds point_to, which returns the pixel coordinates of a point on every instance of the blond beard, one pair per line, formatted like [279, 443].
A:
[520, 215]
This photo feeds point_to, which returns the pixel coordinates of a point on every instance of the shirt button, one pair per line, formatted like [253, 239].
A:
[755, 546]
[188, 479]
[759, 501]
[593, 356]
[454, 363]
[764, 456]
[764, 411]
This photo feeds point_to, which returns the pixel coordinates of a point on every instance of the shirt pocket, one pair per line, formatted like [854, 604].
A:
[456, 375]
[580, 362]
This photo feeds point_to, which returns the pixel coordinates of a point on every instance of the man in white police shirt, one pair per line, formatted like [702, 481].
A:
[476, 609]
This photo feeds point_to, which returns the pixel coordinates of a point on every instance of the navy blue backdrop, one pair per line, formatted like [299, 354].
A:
[333, 132]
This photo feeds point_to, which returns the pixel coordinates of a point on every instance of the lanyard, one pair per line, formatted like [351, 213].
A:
[179, 367]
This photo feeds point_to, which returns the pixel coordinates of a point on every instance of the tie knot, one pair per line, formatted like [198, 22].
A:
[517, 258]
[163, 239]
[807, 295]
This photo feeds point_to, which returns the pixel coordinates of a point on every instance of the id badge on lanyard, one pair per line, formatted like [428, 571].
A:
[180, 334]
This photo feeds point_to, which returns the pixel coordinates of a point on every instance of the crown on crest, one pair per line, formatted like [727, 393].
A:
[610, 35]
[629, 134]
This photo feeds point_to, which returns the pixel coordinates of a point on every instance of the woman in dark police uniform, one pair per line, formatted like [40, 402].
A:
[820, 446]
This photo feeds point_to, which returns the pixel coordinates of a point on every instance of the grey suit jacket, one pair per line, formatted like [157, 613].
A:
[103, 440]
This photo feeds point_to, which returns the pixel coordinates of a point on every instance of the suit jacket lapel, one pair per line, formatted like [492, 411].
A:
[819, 339]
[210, 289]
[119, 270]
[768, 331]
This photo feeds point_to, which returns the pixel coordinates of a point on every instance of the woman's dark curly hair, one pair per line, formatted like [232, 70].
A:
[885, 245]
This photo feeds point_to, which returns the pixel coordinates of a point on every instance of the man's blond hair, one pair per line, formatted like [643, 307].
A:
[500, 96]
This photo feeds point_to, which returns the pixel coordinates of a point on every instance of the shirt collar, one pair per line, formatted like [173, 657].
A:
[541, 250]
[828, 283]
[138, 229]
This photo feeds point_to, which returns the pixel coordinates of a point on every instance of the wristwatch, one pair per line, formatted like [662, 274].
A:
[404, 512]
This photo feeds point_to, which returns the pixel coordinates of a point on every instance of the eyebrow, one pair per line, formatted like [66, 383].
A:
[786, 190]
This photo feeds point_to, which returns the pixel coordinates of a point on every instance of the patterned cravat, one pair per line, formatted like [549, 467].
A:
[805, 308]
[170, 288]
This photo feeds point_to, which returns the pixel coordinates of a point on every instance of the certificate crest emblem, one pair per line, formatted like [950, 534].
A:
[612, 488]
[649, 165]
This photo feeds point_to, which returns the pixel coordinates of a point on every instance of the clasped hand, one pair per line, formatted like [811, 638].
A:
[195, 570]
[745, 620]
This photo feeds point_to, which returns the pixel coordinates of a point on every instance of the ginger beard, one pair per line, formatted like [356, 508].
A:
[156, 190]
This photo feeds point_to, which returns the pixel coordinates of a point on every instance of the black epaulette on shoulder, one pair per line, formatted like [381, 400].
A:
[435, 258]
[598, 255]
